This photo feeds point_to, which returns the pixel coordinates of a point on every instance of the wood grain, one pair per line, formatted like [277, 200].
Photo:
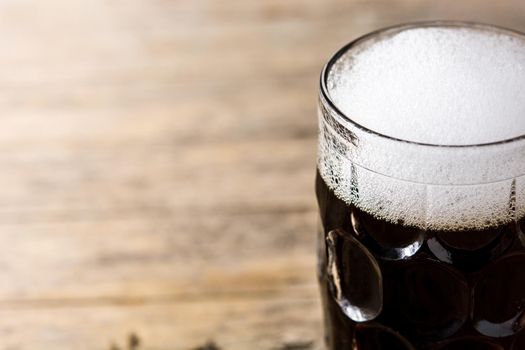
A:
[157, 162]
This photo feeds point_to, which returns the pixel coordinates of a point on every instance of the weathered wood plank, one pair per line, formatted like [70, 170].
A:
[119, 42]
[94, 166]
[192, 257]
[234, 324]
[102, 117]
[105, 183]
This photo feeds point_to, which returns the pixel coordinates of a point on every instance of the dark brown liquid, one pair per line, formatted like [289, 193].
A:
[392, 287]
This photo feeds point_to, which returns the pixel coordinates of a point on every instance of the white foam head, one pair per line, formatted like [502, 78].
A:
[439, 84]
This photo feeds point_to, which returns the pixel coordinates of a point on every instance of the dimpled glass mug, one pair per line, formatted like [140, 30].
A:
[421, 189]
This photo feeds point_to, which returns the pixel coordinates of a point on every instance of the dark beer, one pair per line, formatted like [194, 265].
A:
[455, 290]
[421, 190]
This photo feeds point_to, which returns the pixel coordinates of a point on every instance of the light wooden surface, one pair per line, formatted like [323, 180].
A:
[157, 162]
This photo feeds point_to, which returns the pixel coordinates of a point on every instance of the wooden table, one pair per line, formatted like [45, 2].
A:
[157, 162]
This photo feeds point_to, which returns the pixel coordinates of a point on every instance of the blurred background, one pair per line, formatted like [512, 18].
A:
[157, 161]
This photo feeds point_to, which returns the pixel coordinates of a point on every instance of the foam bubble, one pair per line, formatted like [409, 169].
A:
[440, 85]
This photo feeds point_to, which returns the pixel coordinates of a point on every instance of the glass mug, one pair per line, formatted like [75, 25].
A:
[420, 244]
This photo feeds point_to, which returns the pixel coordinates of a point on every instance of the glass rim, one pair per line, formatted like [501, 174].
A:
[398, 28]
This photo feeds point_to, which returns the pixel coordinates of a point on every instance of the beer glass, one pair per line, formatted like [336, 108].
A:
[421, 189]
